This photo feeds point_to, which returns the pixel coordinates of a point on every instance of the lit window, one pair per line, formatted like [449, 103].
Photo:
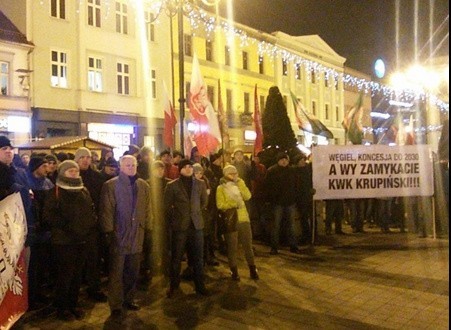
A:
[4, 78]
[121, 18]
[95, 74]
[58, 8]
[211, 94]
[245, 61]
[150, 26]
[227, 55]
[123, 78]
[59, 69]
[284, 67]
[247, 107]
[94, 17]
[261, 64]
[209, 50]
[298, 72]
[313, 76]
[153, 82]
[188, 42]
[229, 100]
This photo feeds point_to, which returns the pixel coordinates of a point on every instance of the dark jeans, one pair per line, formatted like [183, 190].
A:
[92, 262]
[69, 259]
[191, 241]
[279, 212]
[334, 213]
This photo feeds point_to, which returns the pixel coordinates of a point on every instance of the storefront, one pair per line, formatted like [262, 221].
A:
[16, 127]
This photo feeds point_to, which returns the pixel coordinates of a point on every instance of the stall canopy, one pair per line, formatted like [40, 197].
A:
[63, 144]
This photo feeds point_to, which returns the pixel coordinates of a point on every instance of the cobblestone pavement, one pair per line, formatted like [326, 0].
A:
[356, 281]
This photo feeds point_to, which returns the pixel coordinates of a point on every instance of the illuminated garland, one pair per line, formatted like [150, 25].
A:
[199, 19]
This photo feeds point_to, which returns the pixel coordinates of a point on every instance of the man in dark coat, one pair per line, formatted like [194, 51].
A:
[281, 191]
[184, 200]
[93, 181]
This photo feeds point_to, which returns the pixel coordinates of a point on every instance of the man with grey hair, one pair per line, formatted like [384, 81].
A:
[125, 215]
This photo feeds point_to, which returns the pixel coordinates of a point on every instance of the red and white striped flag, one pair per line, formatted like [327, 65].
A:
[207, 134]
[169, 119]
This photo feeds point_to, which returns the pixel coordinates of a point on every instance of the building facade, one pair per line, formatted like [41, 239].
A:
[101, 71]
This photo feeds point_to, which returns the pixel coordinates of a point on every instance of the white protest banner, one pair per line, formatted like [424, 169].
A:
[359, 171]
[13, 270]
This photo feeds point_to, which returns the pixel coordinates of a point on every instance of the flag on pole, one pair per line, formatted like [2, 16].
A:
[307, 121]
[352, 122]
[258, 146]
[222, 118]
[207, 134]
[169, 119]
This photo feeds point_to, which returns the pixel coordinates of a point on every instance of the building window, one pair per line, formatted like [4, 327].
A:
[95, 74]
[211, 94]
[326, 80]
[121, 18]
[326, 112]
[4, 78]
[229, 100]
[59, 69]
[314, 108]
[227, 55]
[247, 105]
[285, 100]
[123, 78]
[262, 103]
[150, 26]
[313, 76]
[153, 83]
[94, 17]
[188, 42]
[337, 113]
[284, 67]
[209, 50]
[336, 83]
[261, 64]
[58, 8]
[298, 72]
[245, 61]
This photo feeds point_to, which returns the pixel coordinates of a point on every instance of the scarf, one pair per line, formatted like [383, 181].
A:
[69, 183]
[233, 192]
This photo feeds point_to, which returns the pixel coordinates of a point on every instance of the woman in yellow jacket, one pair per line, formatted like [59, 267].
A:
[232, 193]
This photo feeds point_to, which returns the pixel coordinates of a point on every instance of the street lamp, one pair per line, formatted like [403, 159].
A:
[179, 8]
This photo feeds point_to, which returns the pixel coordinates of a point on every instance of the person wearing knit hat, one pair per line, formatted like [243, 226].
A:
[36, 162]
[231, 196]
[183, 163]
[82, 152]
[283, 193]
[184, 199]
[72, 219]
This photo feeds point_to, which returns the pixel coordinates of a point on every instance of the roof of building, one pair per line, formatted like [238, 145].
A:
[64, 142]
[9, 32]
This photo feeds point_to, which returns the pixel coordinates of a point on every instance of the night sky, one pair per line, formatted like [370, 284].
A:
[359, 30]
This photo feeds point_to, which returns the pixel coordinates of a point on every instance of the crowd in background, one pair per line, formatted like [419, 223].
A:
[96, 217]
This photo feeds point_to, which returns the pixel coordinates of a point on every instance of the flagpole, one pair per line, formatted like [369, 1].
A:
[181, 76]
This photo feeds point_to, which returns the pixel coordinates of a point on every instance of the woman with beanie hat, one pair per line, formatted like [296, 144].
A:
[232, 192]
[70, 213]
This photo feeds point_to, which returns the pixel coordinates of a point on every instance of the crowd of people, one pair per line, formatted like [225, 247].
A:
[127, 220]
